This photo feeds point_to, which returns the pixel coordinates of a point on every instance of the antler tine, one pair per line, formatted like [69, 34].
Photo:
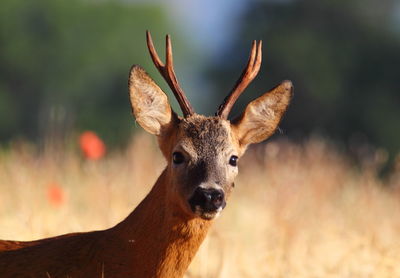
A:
[169, 61]
[167, 71]
[153, 53]
[248, 74]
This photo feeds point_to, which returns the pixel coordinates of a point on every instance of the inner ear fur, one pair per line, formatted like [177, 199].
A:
[149, 103]
[262, 116]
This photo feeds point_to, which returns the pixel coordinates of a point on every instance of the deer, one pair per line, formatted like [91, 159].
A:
[160, 237]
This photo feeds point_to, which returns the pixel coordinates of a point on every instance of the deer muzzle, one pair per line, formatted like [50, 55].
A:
[207, 202]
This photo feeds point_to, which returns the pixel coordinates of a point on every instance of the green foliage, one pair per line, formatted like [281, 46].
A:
[64, 65]
[342, 59]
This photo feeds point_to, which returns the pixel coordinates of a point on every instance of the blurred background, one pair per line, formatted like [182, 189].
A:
[325, 189]
[64, 64]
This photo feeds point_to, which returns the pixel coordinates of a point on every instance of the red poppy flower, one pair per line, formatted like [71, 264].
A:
[55, 194]
[91, 145]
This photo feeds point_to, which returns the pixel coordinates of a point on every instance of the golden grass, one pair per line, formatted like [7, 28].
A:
[297, 211]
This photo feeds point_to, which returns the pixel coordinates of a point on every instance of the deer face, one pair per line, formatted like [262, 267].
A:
[203, 164]
[202, 152]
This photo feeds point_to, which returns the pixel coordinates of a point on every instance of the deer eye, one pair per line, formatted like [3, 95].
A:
[178, 158]
[233, 160]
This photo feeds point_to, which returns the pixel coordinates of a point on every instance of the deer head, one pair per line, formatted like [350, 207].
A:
[203, 152]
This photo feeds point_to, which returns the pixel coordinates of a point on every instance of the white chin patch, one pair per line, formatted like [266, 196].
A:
[208, 215]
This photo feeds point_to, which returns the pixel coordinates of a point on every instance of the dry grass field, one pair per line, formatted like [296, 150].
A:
[297, 210]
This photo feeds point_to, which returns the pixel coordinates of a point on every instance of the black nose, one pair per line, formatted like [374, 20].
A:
[207, 199]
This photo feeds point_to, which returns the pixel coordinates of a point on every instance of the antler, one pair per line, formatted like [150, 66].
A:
[167, 71]
[248, 74]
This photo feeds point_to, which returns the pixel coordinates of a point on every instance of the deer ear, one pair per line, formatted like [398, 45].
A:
[149, 103]
[262, 116]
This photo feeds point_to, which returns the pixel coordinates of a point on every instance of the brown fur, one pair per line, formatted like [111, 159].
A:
[153, 241]
[161, 236]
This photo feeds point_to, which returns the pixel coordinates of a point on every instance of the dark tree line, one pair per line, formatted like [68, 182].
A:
[64, 65]
[343, 58]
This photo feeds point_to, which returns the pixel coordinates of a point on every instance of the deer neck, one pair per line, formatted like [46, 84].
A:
[163, 239]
